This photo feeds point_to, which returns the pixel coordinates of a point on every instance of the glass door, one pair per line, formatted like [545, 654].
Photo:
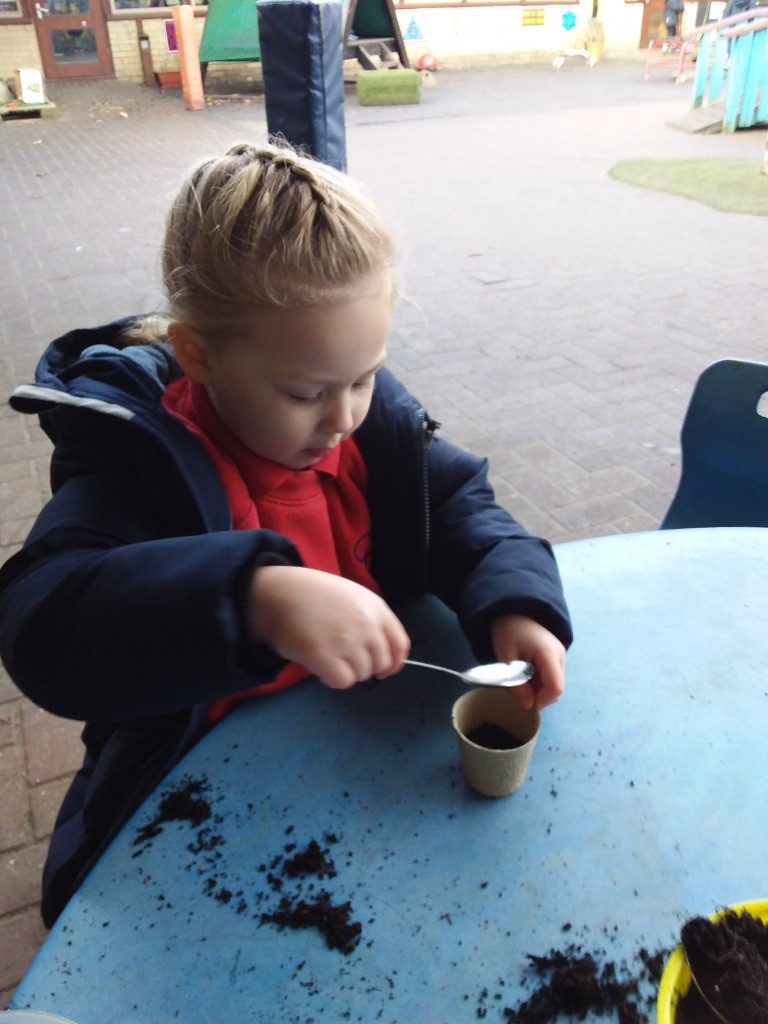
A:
[73, 40]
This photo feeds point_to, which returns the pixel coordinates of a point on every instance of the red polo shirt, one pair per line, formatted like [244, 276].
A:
[322, 510]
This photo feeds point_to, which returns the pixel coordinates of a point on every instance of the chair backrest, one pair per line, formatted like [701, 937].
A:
[724, 440]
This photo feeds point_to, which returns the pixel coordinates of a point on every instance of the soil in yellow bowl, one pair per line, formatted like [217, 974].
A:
[679, 1001]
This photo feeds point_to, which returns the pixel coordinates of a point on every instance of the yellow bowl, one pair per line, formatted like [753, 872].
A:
[676, 979]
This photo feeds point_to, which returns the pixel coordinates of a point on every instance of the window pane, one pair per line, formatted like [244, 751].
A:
[76, 46]
[136, 5]
[68, 7]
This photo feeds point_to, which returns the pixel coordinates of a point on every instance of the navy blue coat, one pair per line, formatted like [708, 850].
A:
[125, 607]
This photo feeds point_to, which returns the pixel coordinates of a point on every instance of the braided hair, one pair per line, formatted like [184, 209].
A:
[264, 226]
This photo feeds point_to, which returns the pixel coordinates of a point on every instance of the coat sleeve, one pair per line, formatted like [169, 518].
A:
[438, 528]
[483, 562]
[104, 616]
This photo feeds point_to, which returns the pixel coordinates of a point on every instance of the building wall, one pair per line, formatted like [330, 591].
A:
[126, 51]
[18, 49]
[124, 42]
[454, 36]
[622, 24]
[484, 34]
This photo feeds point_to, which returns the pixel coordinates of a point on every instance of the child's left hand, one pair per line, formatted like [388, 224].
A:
[516, 637]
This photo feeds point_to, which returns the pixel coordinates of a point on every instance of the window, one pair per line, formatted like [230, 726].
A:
[142, 5]
[10, 9]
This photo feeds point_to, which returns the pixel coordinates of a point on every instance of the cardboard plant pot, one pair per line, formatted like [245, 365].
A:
[496, 739]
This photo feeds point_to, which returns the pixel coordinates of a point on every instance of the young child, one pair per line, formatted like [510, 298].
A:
[242, 494]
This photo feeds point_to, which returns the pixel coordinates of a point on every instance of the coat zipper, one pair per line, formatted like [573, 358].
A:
[428, 430]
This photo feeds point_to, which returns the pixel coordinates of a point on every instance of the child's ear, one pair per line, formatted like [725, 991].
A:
[191, 351]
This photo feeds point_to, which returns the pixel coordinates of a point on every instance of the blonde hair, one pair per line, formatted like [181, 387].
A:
[267, 227]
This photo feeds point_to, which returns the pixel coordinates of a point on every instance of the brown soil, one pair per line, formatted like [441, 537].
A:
[184, 804]
[729, 959]
[493, 736]
[574, 983]
[333, 921]
[310, 861]
[286, 874]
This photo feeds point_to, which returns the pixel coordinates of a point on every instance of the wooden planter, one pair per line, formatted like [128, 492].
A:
[168, 79]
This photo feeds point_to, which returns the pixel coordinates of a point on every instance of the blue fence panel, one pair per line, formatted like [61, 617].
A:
[738, 69]
[752, 78]
[701, 77]
[761, 115]
[717, 72]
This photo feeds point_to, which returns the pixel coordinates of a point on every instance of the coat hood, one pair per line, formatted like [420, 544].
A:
[92, 368]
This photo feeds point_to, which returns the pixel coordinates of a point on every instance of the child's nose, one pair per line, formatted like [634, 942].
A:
[338, 414]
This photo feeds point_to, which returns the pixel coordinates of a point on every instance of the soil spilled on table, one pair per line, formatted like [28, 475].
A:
[729, 960]
[575, 983]
[183, 804]
[289, 874]
[731, 954]
[333, 921]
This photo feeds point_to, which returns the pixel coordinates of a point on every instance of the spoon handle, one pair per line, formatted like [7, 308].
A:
[436, 668]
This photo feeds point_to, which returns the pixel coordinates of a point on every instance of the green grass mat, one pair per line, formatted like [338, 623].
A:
[731, 184]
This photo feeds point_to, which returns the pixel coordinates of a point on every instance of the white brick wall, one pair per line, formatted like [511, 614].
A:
[124, 41]
[18, 49]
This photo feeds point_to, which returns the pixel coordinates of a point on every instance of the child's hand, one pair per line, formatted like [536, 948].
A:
[338, 630]
[518, 637]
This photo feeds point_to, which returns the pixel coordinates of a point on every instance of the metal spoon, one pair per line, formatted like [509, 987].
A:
[499, 673]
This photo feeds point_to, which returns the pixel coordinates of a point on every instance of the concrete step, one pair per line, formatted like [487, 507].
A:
[15, 110]
[706, 120]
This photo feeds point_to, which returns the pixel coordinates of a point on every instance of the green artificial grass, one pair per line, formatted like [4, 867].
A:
[731, 184]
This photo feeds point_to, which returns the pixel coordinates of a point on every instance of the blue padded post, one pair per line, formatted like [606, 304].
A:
[301, 57]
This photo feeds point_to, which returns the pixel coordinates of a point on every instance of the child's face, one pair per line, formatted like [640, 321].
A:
[299, 381]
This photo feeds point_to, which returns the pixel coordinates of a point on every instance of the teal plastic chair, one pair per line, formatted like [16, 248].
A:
[724, 440]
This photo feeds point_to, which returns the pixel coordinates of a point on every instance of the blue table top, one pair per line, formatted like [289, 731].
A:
[644, 805]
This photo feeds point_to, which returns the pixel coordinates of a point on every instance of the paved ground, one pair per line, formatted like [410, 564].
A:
[552, 317]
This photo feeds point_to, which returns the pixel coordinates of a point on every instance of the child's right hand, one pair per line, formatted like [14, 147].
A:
[338, 630]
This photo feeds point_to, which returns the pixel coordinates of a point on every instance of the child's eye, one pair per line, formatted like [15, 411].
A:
[366, 382]
[304, 399]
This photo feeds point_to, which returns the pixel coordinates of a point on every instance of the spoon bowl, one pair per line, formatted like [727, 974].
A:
[498, 673]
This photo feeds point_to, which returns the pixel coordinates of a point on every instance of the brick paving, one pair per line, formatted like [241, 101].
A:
[552, 317]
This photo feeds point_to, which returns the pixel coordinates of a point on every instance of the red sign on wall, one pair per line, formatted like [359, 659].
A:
[171, 43]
